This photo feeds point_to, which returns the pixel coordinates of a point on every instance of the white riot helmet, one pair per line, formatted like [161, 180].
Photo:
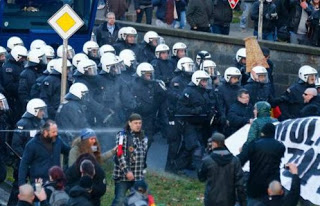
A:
[106, 48]
[19, 52]
[14, 41]
[70, 52]
[77, 58]
[259, 74]
[128, 57]
[241, 53]
[87, 67]
[111, 64]
[145, 68]
[35, 106]
[151, 38]
[186, 65]
[36, 57]
[210, 67]
[91, 48]
[305, 71]
[79, 90]
[3, 54]
[178, 46]
[3, 103]
[202, 55]
[57, 67]
[50, 66]
[2, 50]
[48, 51]
[161, 48]
[129, 31]
[231, 72]
[37, 44]
[121, 33]
[199, 75]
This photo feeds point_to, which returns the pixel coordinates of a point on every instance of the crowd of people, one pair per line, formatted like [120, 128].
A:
[283, 20]
[117, 81]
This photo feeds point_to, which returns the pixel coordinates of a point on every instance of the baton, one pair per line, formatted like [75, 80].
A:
[13, 150]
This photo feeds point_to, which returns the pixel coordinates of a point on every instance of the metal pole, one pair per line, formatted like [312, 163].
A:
[64, 70]
[260, 23]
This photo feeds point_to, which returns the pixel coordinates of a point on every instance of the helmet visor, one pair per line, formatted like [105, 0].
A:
[43, 60]
[90, 70]
[117, 68]
[189, 67]
[148, 75]
[94, 52]
[4, 104]
[41, 112]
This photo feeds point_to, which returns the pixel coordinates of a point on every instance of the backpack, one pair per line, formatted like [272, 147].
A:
[58, 197]
[136, 199]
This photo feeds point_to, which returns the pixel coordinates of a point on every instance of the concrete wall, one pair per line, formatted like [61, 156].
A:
[287, 58]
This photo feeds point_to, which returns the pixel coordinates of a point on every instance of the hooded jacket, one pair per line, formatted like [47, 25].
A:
[79, 196]
[263, 117]
[224, 176]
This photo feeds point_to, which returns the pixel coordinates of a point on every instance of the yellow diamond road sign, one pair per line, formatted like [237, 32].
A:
[65, 22]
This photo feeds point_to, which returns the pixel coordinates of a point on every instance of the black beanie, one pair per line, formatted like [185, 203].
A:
[268, 130]
[86, 182]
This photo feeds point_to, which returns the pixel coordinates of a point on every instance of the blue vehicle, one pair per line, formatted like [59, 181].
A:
[27, 19]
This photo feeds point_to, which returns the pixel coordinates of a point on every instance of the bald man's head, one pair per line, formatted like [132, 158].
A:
[275, 188]
[309, 94]
[26, 193]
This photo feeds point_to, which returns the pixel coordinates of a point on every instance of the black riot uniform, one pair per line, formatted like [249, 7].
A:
[228, 93]
[11, 71]
[163, 70]
[36, 88]
[27, 127]
[258, 91]
[244, 75]
[119, 46]
[50, 92]
[197, 109]
[27, 80]
[148, 96]
[147, 53]
[71, 116]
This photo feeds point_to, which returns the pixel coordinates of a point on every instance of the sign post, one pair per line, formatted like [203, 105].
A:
[260, 22]
[233, 3]
[65, 22]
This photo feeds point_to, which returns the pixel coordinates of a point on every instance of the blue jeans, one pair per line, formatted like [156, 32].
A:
[266, 36]
[121, 187]
[181, 23]
[148, 12]
[219, 29]
[246, 6]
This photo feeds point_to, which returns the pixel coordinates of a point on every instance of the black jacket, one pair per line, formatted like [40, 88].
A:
[269, 22]
[312, 108]
[147, 53]
[104, 36]
[99, 185]
[224, 178]
[222, 13]
[290, 199]
[139, 3]
[79, 197]
[295, 12]
[264, 155]
[24, 203]
[258, 91]
[37, 159]
[199, 13]
[25, 126]
[228, 94]
[175, 89]
[121, 45]
[239, 115]
[163, 70]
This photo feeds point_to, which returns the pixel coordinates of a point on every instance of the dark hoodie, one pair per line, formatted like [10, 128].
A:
[224, 176]
[79, 196]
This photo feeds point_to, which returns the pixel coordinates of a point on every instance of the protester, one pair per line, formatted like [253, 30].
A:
[80, 193]
[199, 15]
[27, 195]
[141, 7]
[311, 103]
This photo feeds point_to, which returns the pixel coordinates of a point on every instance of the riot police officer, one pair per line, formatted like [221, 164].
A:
[179, 50]
[201, 56]
[70, 52]
[71, 114]
[258, 85]
[130, 62]
[27, 127]
[51, 87]
[229, 88]
[11, 71]
[129, 41]
[291, 102]
[240, 63]
[148, 46]
[33, 69]
[91, 49]
[12, 42]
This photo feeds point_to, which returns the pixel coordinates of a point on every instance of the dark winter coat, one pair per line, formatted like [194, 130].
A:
[147, 53]
[228, 94]
[295, 11]
[312, 108]
[143, 3]
[37, 159]
[239, 115]
[222, 13]
[269, 23]
[121, 45]
[163, 70]
[24, 203]
[265, 156]
[199, 13]
[224, 178]
[104, 36]
[258, 91]
[99, 184]
[79, 197]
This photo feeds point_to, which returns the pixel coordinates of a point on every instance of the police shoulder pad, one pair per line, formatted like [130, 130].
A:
[176, 84]
[20, 127]
[186, 95]
[9, 70]
[46, 83]
[288, 90]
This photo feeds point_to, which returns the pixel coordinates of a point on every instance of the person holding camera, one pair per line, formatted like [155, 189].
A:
[270, 17]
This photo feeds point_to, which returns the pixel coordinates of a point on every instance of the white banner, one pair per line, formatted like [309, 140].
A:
[301, 138]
